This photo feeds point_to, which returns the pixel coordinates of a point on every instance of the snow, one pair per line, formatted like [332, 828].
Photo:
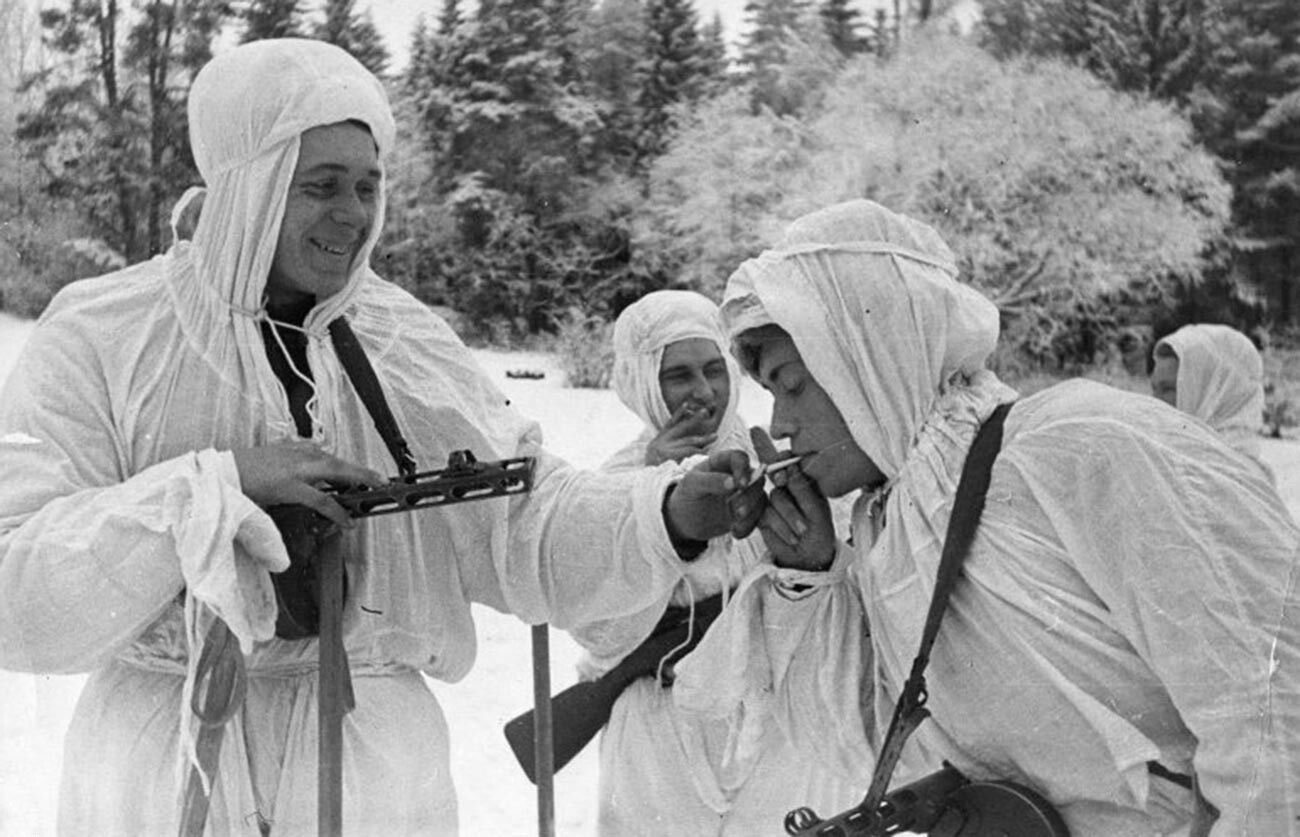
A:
[584, 426]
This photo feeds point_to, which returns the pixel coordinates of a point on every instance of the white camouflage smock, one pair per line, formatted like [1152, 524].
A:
[120, 493]
[1130, 596]
[1220, 381]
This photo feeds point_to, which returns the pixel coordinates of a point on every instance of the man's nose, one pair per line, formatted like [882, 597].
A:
[701, 390]
[782, 427]
[350, 209]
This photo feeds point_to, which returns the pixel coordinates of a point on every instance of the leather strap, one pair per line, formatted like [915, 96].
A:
[362, 375]
[968, 505]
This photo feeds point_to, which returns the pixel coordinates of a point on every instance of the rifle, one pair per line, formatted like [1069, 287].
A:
[580, 711]
[942, 804]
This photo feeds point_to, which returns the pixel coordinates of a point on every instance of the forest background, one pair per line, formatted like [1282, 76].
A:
[1105, 170]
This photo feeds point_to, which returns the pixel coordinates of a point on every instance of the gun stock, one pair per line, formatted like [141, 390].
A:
[578, 714]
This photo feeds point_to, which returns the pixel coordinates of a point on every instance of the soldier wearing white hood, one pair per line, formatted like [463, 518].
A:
[664, 770]
[1215, 373]
[157, 410]
[1126, 622]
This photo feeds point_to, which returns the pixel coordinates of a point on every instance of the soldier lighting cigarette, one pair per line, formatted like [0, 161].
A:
[746, 504]
[766, 469]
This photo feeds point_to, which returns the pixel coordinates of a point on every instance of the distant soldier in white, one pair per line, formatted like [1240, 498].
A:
[157, 416]
[1124, 636]
[1215, 373]
[664, 769]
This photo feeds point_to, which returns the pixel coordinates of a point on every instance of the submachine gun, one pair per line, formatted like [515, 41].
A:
[311, 593]
[310, 597]
[463, 480]
[942, 804]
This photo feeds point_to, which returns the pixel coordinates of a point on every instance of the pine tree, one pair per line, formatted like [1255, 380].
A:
[1157, 47]
[674, 71]
[110, 131]
[612, 46]
[713, 53]
[271, 19]
[516, 140]
[786, 57]
[356, 33]
[450, 18]
[771, 24]
[516, 113]
[1253, 123]
[841, 20]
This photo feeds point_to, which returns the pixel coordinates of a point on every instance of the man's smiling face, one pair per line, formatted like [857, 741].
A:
[331, 207]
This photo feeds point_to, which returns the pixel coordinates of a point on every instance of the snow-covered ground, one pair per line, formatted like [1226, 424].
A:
[585, 426]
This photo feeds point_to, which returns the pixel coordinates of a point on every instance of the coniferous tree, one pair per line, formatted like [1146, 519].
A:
[355, 32]
[271, 19]
[516, 113]
[1157, 47]
[110, 130]
[612, 46]
[881, 35]
[842, 20]
[786, 57]
[674, 71]
[420, 48]
[713, 52]
[771, 25]
[516, 140]
[450, 17]
[1253, 123]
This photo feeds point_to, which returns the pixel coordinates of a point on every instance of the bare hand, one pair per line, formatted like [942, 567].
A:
[295, 472]
[697, 508]
[797, 525]
[684, 436]
[747, 505]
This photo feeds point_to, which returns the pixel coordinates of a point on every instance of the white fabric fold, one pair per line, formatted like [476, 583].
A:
[226, 551]
[926, 330]
[1131, 584]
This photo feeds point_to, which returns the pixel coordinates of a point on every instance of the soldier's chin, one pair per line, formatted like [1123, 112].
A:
[829, 483]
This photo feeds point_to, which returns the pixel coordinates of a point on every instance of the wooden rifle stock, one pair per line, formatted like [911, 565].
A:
[579, 712]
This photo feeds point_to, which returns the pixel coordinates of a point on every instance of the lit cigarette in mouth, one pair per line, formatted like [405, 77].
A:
[768, 468]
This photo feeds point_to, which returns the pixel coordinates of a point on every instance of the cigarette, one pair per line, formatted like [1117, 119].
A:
[768, 468]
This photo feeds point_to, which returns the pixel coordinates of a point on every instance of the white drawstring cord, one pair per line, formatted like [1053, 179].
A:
[313, 405]
[690, 633]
